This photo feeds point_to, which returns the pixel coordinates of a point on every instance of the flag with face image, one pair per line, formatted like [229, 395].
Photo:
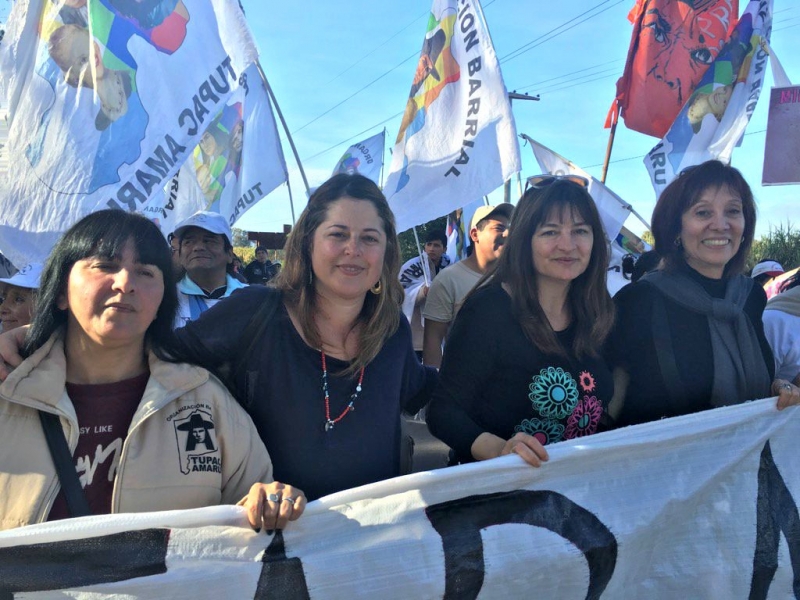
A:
[107, 98]
[713, 120]
[364, 158]
[672, 45]
[238, 161]
[457, 139]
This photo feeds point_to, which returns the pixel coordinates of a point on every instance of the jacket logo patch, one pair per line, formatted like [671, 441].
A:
[197, 443]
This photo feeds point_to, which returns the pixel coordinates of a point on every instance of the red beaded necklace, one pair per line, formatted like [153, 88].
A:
[329, 423]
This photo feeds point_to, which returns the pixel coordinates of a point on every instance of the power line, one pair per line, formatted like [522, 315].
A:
[371, 52]
[360, 133]
[351, 96]
[555, 33]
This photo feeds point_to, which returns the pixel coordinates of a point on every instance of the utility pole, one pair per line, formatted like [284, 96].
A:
[507, 185]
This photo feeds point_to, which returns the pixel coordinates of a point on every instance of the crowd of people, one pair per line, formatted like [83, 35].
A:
[137, 388]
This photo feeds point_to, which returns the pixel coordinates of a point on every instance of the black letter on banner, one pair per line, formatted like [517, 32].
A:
[459, 523]
[81, 563]
[776, 512]
[281, 577]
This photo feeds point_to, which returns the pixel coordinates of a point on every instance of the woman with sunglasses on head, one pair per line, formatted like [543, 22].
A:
[522, 365]
[689, 336]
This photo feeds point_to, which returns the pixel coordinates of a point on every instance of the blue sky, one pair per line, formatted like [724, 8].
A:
[342, 71]
[318, 54]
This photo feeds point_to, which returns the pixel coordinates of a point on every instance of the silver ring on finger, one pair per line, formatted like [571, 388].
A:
[786, 386]
[289, 499]
[274, 497]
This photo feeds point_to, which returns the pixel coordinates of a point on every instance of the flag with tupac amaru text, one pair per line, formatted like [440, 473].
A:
[106, 102]
[238, 161]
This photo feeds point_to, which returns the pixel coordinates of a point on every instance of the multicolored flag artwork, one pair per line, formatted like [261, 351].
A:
[715, 116]
[673, 43]
[458, 230]
[457, 139]
[364, 158]
[238, 161]
[106, 101]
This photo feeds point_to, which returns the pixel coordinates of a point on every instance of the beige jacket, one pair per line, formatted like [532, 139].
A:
[160, 467]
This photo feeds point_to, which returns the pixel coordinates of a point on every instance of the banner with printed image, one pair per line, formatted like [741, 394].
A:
[698, 506]
[457, 139]
[117, 94]
[714, 118]
[238, 161]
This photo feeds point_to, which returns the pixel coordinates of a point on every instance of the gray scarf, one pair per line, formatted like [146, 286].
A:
[740, 373]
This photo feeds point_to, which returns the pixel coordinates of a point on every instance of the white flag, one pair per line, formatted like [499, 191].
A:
[457, 140]
[116, 97]
[613, 209]
[364, 158]
[712, 122]
[238, 161]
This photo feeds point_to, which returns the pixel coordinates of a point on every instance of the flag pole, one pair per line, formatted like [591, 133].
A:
[285, 127]
[614, 120]
[383, 156]
[423, 258]
[291, 201]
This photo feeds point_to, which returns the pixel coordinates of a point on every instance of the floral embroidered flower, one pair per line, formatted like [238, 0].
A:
[587, 381]
[553, 393]
[544, 430]
[585, 418]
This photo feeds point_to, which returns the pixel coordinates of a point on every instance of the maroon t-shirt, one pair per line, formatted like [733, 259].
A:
[105, 412]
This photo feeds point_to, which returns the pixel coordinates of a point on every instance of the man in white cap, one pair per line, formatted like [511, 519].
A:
[205, 248]
[18, 297]
[766, 270]
[487, 230]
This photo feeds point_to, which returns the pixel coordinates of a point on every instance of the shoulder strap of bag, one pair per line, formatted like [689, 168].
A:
[62, 458]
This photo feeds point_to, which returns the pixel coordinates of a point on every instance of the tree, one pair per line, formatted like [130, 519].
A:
[780, 244]
[408, 246]
[240, 238]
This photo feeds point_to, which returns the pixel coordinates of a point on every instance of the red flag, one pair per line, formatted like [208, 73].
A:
[673, 43]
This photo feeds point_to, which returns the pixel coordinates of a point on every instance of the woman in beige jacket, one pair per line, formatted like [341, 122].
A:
[145, 434]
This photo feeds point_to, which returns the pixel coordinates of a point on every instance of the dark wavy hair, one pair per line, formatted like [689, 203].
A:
[683, 193]
[380, 315]
[589, 302]
[103, 234]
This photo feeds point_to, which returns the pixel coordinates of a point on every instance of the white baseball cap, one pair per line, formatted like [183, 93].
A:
[484, 212]
[210, 221]
[767, 267]
[27, 277]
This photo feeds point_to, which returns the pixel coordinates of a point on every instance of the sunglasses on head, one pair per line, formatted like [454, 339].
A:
[544, 180]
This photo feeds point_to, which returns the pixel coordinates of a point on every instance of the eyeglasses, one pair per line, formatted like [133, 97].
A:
[544, 180]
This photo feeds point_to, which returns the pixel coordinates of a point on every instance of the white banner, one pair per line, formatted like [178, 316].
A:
[700, 506]
[364, 158]
[713, 120]
[238, 161]
[457, 139]
[112, 104]
[613, 209]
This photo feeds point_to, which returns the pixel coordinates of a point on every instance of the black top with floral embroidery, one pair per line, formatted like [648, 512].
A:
[493, 379]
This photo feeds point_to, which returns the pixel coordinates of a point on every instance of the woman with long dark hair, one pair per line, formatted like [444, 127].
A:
[522, 364]
[143, 434]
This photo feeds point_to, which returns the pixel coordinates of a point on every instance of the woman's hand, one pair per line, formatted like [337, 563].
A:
[788, 394]
[10, 343]
[488, 445]
[273, 505]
